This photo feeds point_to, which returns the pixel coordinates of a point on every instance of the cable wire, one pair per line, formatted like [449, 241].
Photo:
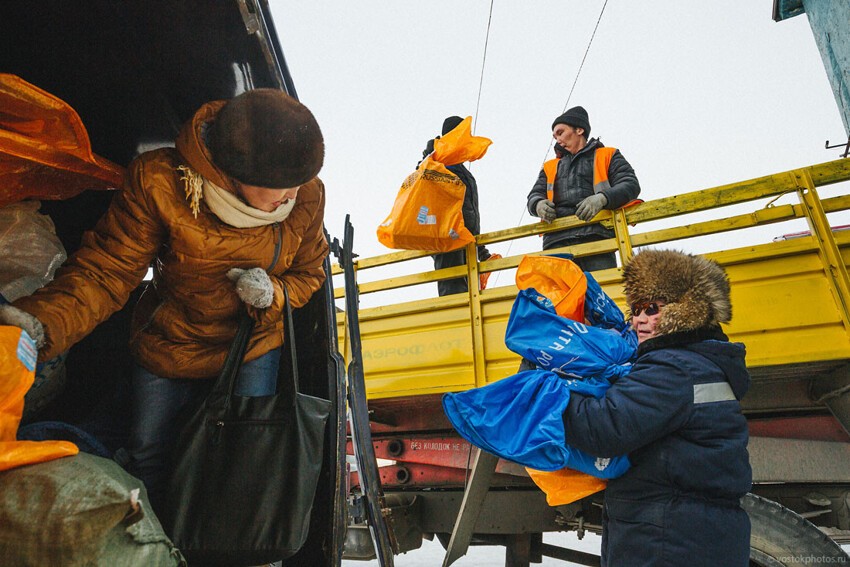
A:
[566, 104]
[580, 67]
[483, 63]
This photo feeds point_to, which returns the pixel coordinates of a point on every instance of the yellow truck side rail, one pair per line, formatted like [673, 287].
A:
[790, 297]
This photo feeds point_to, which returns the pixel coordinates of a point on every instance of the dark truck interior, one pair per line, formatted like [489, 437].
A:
[134, 72]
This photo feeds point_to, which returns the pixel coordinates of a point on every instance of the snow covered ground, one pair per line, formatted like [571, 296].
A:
[431, 553]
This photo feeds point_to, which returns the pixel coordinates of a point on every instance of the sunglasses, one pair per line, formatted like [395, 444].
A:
[651, 309]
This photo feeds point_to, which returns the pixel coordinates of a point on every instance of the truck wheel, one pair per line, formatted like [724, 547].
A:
[782, 537]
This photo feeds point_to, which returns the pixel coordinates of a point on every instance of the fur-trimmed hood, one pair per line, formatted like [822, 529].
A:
[696, 290]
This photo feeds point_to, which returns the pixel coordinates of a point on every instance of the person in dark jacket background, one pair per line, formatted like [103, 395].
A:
[471, 218]
[573, 191]
[677, 415]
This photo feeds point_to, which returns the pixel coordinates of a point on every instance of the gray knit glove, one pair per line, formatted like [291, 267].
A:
[545, 210]
[15, 317]
[253, 286]
[590, 206]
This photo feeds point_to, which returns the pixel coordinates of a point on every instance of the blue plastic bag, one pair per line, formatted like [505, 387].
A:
[520, 419]
[601, 311]
[568, 347]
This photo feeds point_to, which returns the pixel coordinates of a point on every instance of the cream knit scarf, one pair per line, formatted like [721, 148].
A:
[229, 208]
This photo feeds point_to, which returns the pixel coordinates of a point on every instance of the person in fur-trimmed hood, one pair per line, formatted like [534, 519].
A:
[677, 415]
[228, 218]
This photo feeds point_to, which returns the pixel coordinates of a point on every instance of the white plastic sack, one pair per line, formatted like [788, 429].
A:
[30, 251]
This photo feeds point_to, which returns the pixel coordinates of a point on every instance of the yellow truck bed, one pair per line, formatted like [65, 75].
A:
[790, 296]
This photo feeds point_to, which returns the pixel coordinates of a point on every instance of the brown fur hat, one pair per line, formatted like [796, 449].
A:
[696, 290]
[265, 137]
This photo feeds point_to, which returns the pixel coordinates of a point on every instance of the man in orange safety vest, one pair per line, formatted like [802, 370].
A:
[585, 178]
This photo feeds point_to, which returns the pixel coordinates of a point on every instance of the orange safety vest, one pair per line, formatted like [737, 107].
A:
[601, 161]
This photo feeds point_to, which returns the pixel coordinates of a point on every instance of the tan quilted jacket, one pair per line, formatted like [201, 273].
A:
[186, 319]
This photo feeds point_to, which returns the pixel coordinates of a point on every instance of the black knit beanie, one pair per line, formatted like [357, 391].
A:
[450, 124]
[266, 138]
[576, 117]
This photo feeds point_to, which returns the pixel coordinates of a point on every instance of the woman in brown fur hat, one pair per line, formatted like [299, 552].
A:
[228, 218]
[677, 415]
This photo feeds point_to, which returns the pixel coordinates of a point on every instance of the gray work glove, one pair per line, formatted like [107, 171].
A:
[589, 207]
[253, 286]
[545, 209]
[15, 317]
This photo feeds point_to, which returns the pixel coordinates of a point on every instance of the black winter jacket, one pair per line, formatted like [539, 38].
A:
[471, 215]
[472, 221]
[574, 182]
[678, 417]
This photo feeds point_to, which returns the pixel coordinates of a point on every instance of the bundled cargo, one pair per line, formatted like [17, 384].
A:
[81, 510]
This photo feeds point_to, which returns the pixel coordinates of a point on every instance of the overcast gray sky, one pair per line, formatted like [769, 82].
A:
[695, 94]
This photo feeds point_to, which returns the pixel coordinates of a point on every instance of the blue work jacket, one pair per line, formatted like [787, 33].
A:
[677, 415]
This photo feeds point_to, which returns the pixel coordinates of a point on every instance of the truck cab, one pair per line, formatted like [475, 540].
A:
[134, 72]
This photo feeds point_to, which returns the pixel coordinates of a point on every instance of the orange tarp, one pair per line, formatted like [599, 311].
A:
[45, 151]
[17, 373]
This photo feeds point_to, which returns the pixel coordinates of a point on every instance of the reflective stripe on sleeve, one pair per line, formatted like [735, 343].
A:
[715, 392]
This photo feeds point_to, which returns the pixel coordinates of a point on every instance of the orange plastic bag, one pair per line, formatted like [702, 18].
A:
[459, 145]
[566, 485]
[485, 277]
[427, 213]
[45, 151]
[17, 373]
[559, 279]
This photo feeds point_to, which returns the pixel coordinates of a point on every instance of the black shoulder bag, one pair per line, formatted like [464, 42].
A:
[246, 469]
